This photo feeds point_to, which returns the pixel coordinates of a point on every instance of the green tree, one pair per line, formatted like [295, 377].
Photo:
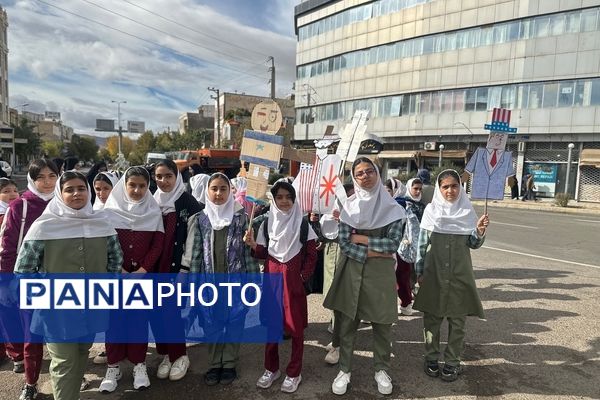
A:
[84, 148]
[52, 149]
[34, 144]
[145, 144]
[164, 142]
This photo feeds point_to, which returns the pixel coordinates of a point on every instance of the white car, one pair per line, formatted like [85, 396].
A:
[6, 168]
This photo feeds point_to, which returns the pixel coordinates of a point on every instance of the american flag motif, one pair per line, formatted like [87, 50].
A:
[501, 115]
[305, 185]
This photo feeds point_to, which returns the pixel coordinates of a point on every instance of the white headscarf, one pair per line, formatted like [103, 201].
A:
[408, 190]
[398, 188]
[284, 232]
[240, 183]
[221, 215]
[3, 207]
[198, 185]
[59, 221]
[33, 189]
[441, 216]
[371, 209]
[98, 204]
[124, 213]
[166, 200]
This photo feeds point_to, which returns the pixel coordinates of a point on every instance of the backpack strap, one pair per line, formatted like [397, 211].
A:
[23, 217]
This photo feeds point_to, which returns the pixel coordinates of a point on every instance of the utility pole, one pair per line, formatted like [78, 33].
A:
[119, 102]
[218, 113]
[272, 71]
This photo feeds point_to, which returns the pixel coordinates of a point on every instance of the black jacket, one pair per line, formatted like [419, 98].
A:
[185, 207]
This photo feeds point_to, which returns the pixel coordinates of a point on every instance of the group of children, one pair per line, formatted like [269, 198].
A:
[202, 228]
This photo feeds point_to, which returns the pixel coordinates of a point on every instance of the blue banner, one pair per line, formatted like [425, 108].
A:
[139, 308]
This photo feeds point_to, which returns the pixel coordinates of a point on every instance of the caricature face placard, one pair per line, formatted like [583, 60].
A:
[266, 117]
[497, 141]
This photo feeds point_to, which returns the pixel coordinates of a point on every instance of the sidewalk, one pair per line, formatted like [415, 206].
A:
[544, 204]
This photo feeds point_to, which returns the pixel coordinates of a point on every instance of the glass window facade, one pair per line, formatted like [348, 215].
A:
[356, 14]
[569, 93]
[536, 27]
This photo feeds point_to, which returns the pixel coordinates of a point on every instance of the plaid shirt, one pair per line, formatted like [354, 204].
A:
[387, 245]
[31, 256]
[475, 241]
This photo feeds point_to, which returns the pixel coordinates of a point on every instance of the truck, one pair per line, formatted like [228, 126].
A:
[226, 161]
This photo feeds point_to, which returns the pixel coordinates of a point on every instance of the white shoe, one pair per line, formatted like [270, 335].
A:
[110, 381]
[340, 383]
[164, 368]
[100, 358]
[267, 379]
[140, 377]
[408, 310]
[333, 356]
[290, 385]
[179, 368]
[384, 382]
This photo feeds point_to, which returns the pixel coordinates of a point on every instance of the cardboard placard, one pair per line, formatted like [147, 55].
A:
[261, 148]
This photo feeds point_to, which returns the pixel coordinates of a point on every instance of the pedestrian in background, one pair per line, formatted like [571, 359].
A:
[176, 206]
[427, 192]
[98, 167]
[219, 232]
[8, 193]
[449, 229]
[136, 216]
[282, 248]
[364, 285]
[21, 213]
[102, 185]
[69, 237]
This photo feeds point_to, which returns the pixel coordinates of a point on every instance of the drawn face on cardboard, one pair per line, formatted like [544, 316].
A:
[497, 141]
[266, 117]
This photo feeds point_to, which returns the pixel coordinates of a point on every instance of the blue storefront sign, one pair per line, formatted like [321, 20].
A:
[544, 177]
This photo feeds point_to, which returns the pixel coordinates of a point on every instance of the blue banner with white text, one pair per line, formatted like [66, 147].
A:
[135, 308]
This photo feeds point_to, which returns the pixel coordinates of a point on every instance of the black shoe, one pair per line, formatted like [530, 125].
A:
[228, 375]
[450, 373]
[213, 376]
[19, 367]
[29, 392]
[432, 369]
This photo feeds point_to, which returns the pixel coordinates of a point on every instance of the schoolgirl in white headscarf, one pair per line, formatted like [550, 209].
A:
[198, 184]
[136, 216]
[67, 238]
[449, 229]
[286, 253]
[103, 182]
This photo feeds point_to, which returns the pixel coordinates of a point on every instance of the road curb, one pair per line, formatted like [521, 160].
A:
[541, 207]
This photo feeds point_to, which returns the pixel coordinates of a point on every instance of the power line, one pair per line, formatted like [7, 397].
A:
[168, 34]
[192, 29]
[149, 41]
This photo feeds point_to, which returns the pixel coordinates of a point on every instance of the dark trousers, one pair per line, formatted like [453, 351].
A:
[32, 352]
[136, 326]
[403, 271]
[294, 367]
[171, 322]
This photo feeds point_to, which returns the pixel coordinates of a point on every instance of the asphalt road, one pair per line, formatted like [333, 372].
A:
[541, 338]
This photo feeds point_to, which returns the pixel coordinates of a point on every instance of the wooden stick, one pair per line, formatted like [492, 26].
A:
[485, 206]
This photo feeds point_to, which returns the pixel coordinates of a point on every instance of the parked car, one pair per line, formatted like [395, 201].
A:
[6, 168]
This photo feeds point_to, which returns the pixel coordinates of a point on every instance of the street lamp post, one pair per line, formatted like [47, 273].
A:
[440, 156]
[119, 102]
[571, 146]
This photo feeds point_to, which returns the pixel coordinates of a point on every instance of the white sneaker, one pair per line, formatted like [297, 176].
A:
[267, 379]
[384, 382]
[179, 368]
[110, 381]
[290, 385]
[164, 368]
[408, 310]
[333, 356]
[340, 383]
[140, 377]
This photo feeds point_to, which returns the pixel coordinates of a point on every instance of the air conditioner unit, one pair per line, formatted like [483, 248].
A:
[429, 146]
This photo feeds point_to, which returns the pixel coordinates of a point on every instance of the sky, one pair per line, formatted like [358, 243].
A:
[157, 55]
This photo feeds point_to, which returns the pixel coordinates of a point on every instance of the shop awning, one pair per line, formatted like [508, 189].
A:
[460, 154]
[590, 157]
[404, 154]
